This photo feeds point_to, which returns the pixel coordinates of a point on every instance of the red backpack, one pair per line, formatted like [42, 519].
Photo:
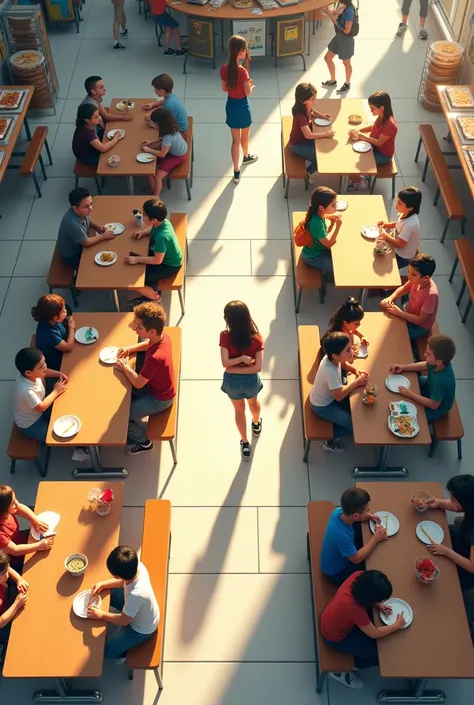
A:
[302, 236]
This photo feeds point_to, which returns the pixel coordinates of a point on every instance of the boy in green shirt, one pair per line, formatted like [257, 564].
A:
[164, 255]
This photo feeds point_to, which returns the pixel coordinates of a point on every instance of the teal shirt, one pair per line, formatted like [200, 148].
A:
[318, 230]
[442, 387]
[163, 239]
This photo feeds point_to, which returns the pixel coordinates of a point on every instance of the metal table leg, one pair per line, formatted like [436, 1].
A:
[382, 470]
[97, 468]
[417, 694]
[131, 185]
[115, 300]
[27, 129]
[65, 694]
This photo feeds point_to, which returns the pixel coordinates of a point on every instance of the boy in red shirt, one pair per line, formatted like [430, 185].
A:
[171, 27]
[153, 387]
[10, 604]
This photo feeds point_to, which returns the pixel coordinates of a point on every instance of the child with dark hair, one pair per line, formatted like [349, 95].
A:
[13, 595]
[95, 89]
[52, 337]
[13, 540]
[132, 595]
[169, 147]
[343, 552]
[406, 239]
[163, 86]
[438, 387]
[322, 207]
[347, 627]
[329, 396]
[302, 137]
[86, 144]
[346, 319]
[423, 298]
[342, 44]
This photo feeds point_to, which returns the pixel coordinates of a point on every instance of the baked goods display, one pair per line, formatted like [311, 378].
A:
[355, 119]
[459, 97]
[442, 65]
[4, 125]
[470, 158]
[242, 4]
[466, 127]
[9, 99]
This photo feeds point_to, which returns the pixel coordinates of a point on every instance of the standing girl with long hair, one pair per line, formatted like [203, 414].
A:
[242, 357]
[301, 136]
[238, 85]
[342, 44]
[170, 147]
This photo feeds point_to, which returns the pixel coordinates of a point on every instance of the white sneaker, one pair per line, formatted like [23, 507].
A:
[357, 185]
[349, 679]
[80, 454]
[333, 447]
[119, 661]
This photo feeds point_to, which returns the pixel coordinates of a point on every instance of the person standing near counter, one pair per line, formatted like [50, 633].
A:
[346, 25]
[238, 85]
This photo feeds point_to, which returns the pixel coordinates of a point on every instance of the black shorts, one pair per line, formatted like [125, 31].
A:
[155, 272]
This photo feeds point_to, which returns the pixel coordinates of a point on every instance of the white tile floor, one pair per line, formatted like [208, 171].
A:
[239, 614]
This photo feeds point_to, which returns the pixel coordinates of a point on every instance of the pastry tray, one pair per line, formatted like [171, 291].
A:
[463, 139]
[19, 107]
[6, 138]
[459, 107]
[2, 154]
[469, 162]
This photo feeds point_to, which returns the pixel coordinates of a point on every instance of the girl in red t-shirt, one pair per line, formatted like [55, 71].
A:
[242, 357]
[12, 540]
[302, 137]
[238, 85]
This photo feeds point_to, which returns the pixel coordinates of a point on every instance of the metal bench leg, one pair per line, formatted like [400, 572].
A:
[38, 190]
[321, 682]
[435, 202]
[97, 183]
[40, 159]
[373, 184]
[433, 446]
[306, 183]
[48, 152]
[46, 459]
[461, 293]
[74, 293]
[425, 168]
[130, 674]
[40, 468]
[298, 300]
[158, 678]
[463, 226]
[417, 153]
[445, 231]
[12, 466]
[181, 300]
[173, 451]
[453, 271]
[287, 186]
[76, 182]
[321, 294]
[459, 444]
[393, 188]
[188, 189]
[307, 446]
[466, 312]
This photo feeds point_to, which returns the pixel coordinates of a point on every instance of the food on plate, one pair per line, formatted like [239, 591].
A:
[419, 500]
[4, 123]
[126, 103]
[356, 348]
[466, 125]
[355, 119]
[426, 571]
[113, 160]
[459, 97]
[404, 425]
[75, 565]
[381, 247]
[371, 390]
[242, 3]
[368, 399]
[27, 58]
[107, 257]
[10, 99]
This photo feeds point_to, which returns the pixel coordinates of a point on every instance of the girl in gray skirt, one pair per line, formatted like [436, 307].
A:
[342, 44]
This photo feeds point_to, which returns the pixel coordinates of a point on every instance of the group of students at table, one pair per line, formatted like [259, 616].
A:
[137, 613]
[346, 623]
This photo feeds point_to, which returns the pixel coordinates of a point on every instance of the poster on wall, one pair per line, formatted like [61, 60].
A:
[255, 32]
[290, 36]
[201, 37]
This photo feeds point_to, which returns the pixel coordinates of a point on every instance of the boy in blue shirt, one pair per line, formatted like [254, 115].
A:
[55, 329]
[163, 85]
[342, 552]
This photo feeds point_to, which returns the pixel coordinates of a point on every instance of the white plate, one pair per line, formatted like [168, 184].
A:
[80, 335]
[361, 146]
[397, 606]
[145, 158]
[434, 530]
[371, 232]
[121, 106]
[341, 205]
[97, 259]
[393, 382]
[394, 429]
[108, 355]
[112, 133]
[402, 408]
[116, 228]
[322, 122]
[51, 519]
[67, 426]
[389, 521]
[363, 352]
[81, 602]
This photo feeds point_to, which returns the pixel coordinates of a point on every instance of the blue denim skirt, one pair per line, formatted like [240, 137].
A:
[241, 386]
[237, 111]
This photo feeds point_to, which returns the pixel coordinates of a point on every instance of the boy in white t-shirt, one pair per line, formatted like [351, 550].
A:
[406, 240]
[329, 396]
[32, 408]
[132, 595]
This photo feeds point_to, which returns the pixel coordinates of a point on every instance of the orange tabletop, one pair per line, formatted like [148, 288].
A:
[137, 130]
[47, 639]
[437, 644]
[119, 275]
[336, 156]
[450, 114]
[229, 12]
[19, 120]
[97, 393]
[388, 343]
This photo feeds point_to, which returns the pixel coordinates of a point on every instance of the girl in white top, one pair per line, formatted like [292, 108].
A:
[329, 396]
[406, 240]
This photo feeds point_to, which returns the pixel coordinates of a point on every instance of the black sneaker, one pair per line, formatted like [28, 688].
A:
[123, 32]
[169, 52]
[236, 178]
[137, 448]
[181, 52]
[257, 428]
[344, 88]
[245, 450]
[117, 45]
[329, 83]
[250, 158]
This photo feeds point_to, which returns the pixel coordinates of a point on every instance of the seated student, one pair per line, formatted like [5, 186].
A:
[346, 319]
[13, 596]
[422, 306]
[153, 387]
[321, 208]
[13, 541]
[343, 552]
[72, 234]
[86, 144]
[132, 594]
[406, 240]
[171, 27]
[95, 90]
[302, 137]
[438, 387]
[329, 396]
[54, 334]
[164, 255]
[163, 86]
[170, 147]
[461, 499]
[346, 625]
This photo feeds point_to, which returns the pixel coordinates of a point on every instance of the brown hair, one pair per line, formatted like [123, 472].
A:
[48, 306]
[165, 121]
[303, 92]
[236, 45]
[4, 562]
[381, 99]
[240, 324]
[152, 315]
[6, 498]
[354, 500]
[443, 348]
[321, 196]
[163, 82]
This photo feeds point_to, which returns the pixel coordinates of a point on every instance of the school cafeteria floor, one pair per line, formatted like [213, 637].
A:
[239, 624]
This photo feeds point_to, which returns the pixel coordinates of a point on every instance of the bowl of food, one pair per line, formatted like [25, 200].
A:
[370, 392]
[113, 160]
[419, 500]
[76, 564]
[381, 247]
[425, 570]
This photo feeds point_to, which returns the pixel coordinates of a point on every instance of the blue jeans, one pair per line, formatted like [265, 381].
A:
[415, 331]
[307, 150]
[361, 646]
[39, 429]
[431, 414]
[117, 645]
[143, 404]
[381, 158]
[339, 417]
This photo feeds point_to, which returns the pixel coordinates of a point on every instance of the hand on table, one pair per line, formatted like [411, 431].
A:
[121, 364]
[108, 235]
[375, 518]
[94, 612]
[97, 587]
[380, 533]
[354, 134]
[400, 621]
[46, 544]
[63, 377]
[361, 373]
[138, 234]
[101, 229]
[381, 224]
[394, 310]
[438, 549]
[122, 352]
[20, 600]
[433, 503]
[385, 609]
[22, 586]
[386, 304]
[148, 106]
[129, 259]
[40, 526]
[127, 117]
[328, 133]
[405, 392]
[60, 386]
[396, 369]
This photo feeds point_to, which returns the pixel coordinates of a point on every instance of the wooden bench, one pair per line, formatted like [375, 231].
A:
[385, 171]
[20, 447]
[327, 659]
[464, 257]
[86, 171]
[450, 427]
[163, 425]
[304, 276]
[314, 428]
[177, 282]
[446, 187]
[61, 276]
[293, 167]
[184, 171]
[33, 156]
[155, 554]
